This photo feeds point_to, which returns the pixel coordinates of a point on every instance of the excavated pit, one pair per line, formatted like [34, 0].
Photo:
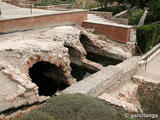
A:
[48, 78]
[80, 70]
[63, 47]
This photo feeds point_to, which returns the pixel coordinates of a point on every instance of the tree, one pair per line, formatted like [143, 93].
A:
[153, 15]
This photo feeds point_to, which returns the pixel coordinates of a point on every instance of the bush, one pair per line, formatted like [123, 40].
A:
[135, 16]
[153, 15]
[148, 36]
[37, 115]
[76, 107]
[113, 9]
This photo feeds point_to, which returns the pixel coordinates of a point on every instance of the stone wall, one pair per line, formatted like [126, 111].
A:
[114, 32]
[107, 79]
[9, 25]
[97, 83]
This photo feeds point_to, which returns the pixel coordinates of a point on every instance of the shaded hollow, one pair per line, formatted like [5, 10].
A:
[95, 54]
[88, 44]
[48, 77]
[104, 61]
[80, 72]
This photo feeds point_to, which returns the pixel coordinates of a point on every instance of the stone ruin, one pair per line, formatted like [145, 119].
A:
[50, 52]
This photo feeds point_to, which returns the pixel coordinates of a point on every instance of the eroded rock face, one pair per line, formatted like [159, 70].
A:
[59, 46]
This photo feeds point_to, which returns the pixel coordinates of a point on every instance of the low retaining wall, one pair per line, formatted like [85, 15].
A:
[106, 15]
[75, 17]
[97, 83]
[107, 79]
[115, 32]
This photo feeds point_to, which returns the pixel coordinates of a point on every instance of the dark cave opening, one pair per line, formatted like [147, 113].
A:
[48, 77]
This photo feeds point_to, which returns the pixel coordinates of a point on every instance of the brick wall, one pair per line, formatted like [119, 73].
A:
[40, 21]
[117, 33]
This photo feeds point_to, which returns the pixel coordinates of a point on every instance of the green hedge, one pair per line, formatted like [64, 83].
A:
[75, 107]
[113, 9]
[38, 115]
[148, 36]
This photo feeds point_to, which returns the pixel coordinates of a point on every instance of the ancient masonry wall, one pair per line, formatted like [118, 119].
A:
[107, 79]
[75, 17]
[117, 33]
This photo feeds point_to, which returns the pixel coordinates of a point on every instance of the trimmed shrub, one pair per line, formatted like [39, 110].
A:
[77, 107]
[148, 36]
[37, 115]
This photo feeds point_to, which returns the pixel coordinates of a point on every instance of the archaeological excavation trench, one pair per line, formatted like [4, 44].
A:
[51, 79]
[51, 61]
[85, 63]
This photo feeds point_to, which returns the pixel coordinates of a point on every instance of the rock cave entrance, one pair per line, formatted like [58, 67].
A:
[48, 77]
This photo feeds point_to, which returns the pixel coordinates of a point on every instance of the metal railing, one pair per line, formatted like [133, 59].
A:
[146, 63]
